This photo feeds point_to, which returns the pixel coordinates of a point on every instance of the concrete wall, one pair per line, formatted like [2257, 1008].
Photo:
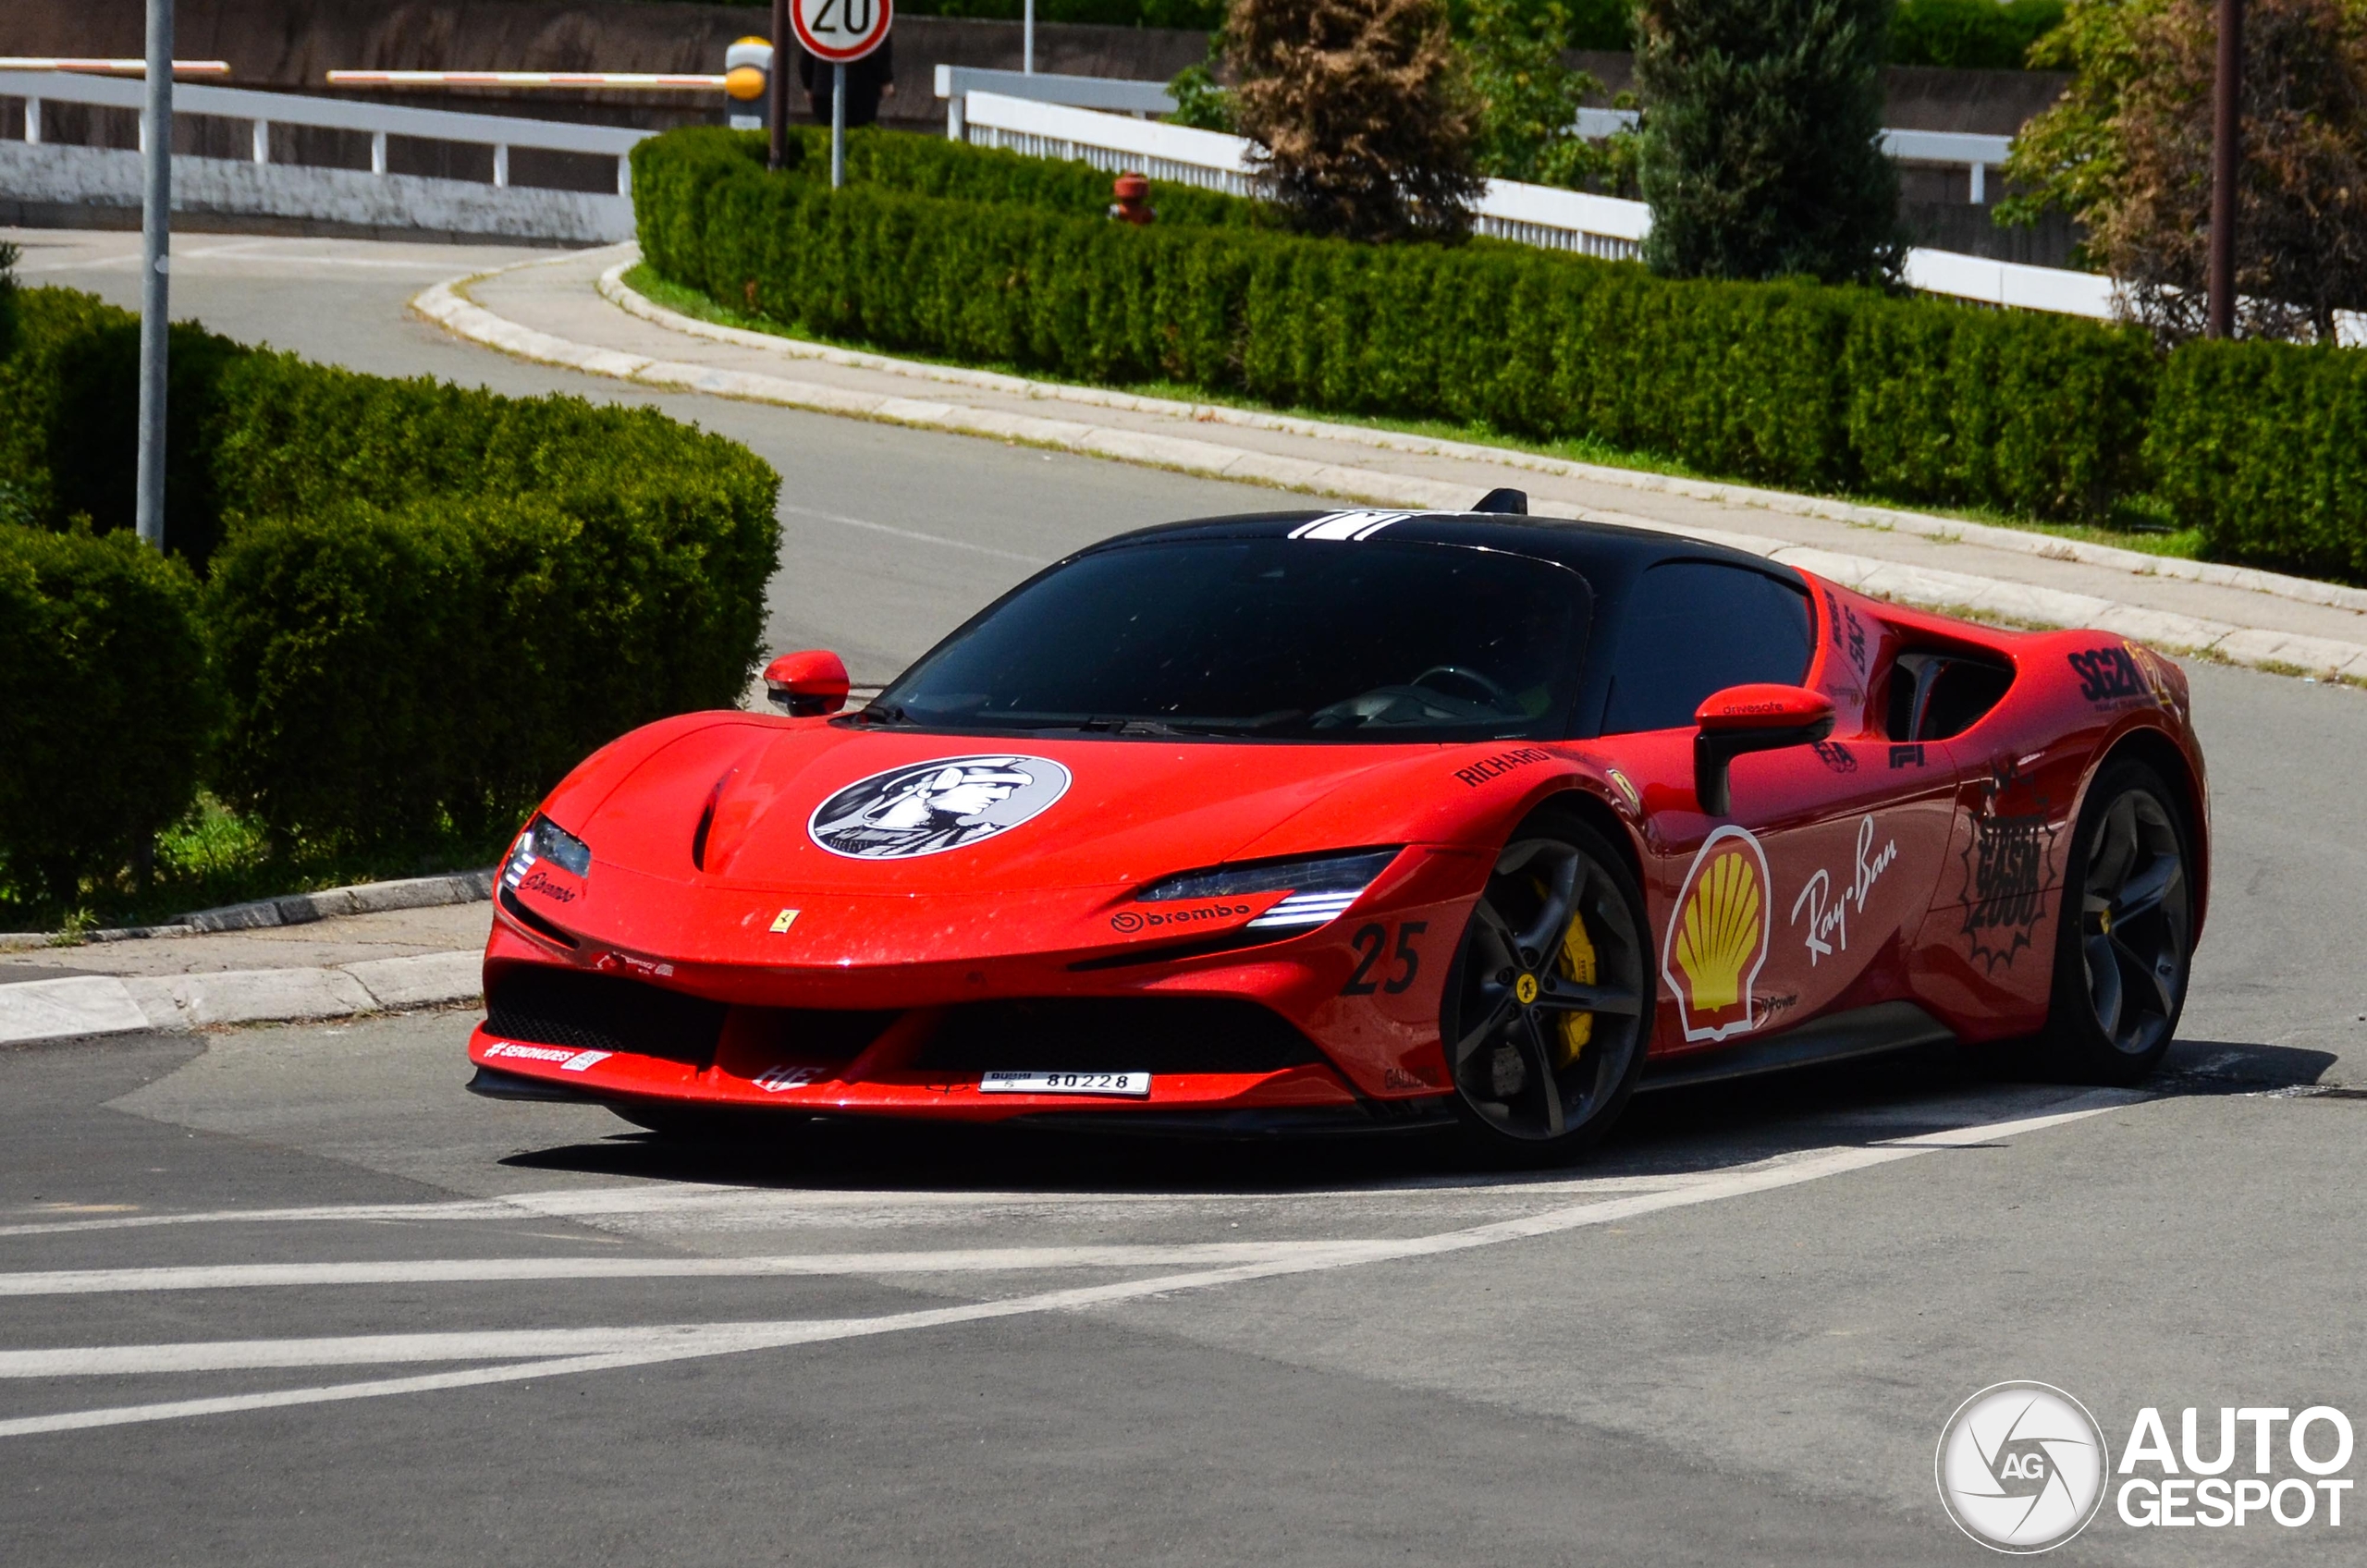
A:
[100, 188]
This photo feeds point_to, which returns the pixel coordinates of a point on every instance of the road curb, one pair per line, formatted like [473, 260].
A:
[448, 306]
[80, 1006]
[292, 909]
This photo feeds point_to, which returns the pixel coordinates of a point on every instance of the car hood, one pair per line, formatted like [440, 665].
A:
[809, 806]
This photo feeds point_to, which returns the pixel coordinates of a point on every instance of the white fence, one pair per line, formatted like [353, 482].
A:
[955, 83]
[1531, 215]
[1170, 153]
[264, 110]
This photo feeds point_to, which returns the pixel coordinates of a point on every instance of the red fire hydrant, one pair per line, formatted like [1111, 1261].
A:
[1132, 204]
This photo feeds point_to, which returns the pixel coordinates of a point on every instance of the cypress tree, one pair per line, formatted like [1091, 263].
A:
[1760, 147]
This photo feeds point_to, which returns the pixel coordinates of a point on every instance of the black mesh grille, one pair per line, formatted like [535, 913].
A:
[559, 1007]
[1116, 1034]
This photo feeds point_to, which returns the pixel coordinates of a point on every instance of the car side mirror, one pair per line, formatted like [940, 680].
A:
[813, 681]
[1759, 717]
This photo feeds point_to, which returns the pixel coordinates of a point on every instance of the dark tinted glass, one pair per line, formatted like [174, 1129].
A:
[1292, 639]
[1692, 628]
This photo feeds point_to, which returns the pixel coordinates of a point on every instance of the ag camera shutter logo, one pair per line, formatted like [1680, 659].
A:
[2021, 1467]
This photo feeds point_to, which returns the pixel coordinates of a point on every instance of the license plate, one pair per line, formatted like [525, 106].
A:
[1134, 1085]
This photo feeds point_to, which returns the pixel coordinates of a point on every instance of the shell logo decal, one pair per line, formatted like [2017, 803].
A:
[1717, 937]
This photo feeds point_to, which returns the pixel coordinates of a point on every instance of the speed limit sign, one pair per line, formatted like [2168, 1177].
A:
[840, 31]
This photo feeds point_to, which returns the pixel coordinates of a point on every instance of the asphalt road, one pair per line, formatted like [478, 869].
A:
[1732, 1336]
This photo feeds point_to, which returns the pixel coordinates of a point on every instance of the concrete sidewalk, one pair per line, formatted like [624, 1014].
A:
[574, 310]
[330, 968]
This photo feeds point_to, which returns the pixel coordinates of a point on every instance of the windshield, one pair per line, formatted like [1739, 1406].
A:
[1279, 638]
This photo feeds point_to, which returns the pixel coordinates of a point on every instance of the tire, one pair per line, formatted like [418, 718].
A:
[2124, 940]
[1537, 1077]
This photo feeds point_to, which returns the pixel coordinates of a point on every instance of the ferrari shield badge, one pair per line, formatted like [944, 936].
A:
[926, 808]
[1717, 940]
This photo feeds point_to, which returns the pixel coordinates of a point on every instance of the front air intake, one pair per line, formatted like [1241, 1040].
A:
[601, 1013]
[1163, 1034]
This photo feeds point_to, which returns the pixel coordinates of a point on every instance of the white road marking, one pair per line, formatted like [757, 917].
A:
[660, 1198]
[914, 534]
[593, 1349]
[473, 1270]
[245, 250]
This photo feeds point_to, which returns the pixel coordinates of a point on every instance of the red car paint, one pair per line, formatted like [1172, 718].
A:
[1927, 872]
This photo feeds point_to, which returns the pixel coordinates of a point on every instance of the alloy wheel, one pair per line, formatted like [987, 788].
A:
[1550, 1007]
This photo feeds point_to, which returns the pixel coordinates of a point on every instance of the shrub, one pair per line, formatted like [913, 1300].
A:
[593, 569]
[1964, 402]
[2127, 152]
[1789, 384]
[674, 181]
[1970, 35]
[1528, 99]
[1759, 150]
[1361, 117]
[2258, 444]
[426, 601]
[105, 705]
[8, 256]
[70, 411]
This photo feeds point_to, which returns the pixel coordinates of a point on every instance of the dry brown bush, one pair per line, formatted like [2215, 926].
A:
[1360, 111]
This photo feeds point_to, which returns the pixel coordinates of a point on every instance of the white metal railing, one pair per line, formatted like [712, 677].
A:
[955, 83]
[1172, 153]
[500, 133]
[1977, 154]
[1533, 214]
[1530, 215]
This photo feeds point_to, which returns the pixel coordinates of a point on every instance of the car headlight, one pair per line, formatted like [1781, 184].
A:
[1318, 886]
[545, 840]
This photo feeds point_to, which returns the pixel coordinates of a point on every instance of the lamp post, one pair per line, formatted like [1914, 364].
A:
[776, 84]
[155, 252]
[2227, 131]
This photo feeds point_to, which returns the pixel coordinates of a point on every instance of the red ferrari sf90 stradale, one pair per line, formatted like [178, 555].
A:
[1365, 819]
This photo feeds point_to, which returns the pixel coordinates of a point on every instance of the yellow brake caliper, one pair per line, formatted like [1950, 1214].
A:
[1577, 963]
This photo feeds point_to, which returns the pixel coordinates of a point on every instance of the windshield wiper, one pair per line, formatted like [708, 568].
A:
[892, 714]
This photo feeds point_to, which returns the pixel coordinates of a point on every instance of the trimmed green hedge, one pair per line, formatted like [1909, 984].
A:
[1784, 384]
[105, 705]
[2263, 448]
[423, 602]
[673, 183]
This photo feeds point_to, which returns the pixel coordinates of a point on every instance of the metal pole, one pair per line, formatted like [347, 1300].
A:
[1027, 38]
[776, 84]
[2227, 131]
[155, 251]
[838, 126]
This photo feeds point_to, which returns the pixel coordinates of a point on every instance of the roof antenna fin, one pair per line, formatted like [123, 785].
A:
[1513, 502]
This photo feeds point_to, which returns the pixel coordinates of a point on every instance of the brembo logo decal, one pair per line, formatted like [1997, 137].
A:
[1126, 921]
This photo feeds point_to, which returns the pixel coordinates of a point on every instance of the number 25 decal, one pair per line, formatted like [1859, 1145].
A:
[1370, 942]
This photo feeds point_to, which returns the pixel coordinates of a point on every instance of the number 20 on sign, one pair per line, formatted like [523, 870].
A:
[840, 31]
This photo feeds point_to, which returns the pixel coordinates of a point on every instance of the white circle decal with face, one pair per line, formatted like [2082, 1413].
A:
[925, 808]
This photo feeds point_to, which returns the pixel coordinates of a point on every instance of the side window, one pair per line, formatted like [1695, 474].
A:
[1693, 628]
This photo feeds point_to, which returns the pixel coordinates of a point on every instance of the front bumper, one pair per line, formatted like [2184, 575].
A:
[1343, 1019]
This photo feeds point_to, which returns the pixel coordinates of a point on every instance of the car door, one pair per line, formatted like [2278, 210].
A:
[1805, 898]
